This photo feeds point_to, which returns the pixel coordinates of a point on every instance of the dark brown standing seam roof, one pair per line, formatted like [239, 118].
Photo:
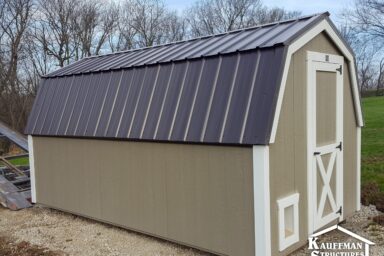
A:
[215, 89]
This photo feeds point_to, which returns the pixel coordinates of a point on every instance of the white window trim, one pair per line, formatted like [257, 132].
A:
[32, 169]
[261, 201]
[292, 200]
[323, 26]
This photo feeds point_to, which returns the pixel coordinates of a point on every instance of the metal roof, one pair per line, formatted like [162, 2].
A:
[14, 136]
[216, 89]
[269, 35]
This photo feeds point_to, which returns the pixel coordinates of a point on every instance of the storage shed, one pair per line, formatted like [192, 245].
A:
[241, 143]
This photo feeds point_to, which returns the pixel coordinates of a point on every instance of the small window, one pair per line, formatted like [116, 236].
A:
[288, 221]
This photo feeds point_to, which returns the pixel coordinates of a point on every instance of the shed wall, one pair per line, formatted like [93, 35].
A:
[288, 164]
[198, 195]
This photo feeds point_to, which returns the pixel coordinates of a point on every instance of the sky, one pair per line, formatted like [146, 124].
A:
[305, 6]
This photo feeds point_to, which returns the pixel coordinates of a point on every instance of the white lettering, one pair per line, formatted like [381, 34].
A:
[315, 253]
[312, 243]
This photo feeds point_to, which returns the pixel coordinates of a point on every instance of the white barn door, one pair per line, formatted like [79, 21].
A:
[325, 139]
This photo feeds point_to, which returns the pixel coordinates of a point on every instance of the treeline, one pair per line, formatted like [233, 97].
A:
[363, 29]
[39, 36]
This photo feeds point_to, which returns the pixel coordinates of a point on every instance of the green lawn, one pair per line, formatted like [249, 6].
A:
[372, 141]
[18, 161]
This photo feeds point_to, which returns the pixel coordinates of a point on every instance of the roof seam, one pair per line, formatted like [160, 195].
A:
[202, 135]
[241, 139]
[230, 97]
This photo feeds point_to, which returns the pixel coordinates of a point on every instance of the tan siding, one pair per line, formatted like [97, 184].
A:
[196, 195]
[350, 148]
[288, 154]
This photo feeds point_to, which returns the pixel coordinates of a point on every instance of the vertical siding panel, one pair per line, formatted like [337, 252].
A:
[194, 188]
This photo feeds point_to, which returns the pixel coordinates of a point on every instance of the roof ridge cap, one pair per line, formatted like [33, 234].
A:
[213, 35]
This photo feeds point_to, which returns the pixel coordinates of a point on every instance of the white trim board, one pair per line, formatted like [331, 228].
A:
[317, 62]
[323, 26]
[283, 203]
[358, 170]
[32, 169]
[261, 201]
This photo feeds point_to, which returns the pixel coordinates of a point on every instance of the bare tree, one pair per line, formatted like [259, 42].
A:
[15, 19]
[368, 16]
[364, 31]
[93, 23]
[175, 28]
[54, 28]
[149, 18]
[218, 16]
[266, 15]
[380, 79]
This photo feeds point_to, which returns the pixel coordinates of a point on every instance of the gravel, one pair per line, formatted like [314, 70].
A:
[71, 235]
[360, 223]
[74, 235]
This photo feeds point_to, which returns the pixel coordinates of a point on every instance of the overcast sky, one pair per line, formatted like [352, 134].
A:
[305, 6]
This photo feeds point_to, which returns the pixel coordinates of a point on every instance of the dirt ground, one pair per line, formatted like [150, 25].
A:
[57, 233]
[41, 231]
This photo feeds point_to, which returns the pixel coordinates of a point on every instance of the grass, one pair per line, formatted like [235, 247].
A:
[372, 141]
[18, 161]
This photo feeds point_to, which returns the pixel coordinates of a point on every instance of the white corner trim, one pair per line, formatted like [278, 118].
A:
[300, 42]
[32, 169]
[261, 201]
[358, 174]
[289, 201]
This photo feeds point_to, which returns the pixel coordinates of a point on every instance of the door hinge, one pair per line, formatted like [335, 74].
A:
[316, 153]
[340, 69]
[340, 211]
[340, 146]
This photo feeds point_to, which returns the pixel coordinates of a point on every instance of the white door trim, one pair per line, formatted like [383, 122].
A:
[324, 62]
[261, 200]
[32, 169]
[323, 26]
